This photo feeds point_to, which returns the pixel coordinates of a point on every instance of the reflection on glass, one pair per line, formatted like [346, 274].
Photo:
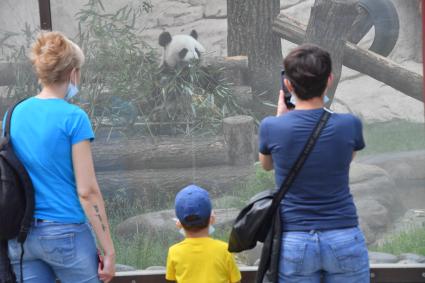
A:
[162, 126]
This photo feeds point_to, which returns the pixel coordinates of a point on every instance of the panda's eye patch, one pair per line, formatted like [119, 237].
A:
[197, 52]
[183, 53]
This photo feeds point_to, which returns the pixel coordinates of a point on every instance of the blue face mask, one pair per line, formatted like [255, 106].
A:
[71, 91]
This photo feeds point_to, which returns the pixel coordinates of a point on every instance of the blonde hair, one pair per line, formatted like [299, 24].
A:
[54, 56]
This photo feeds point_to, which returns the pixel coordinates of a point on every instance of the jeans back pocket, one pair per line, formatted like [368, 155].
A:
[58, 248]
[352, 255]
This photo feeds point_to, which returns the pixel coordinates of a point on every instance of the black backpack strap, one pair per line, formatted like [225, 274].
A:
[9, 118]
[308, 147]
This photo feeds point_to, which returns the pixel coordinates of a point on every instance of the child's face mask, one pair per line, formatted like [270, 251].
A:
[211, 230]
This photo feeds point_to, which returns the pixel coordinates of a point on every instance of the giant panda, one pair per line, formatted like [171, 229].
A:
[180, 48]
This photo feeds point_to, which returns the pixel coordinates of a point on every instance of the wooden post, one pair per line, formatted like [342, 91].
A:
[239, 139]
[237, 25]
[362, 60]
[329, 25]
[264, 48]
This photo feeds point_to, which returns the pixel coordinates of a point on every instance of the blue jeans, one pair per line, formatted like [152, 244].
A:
[57, 250]
[334, 256]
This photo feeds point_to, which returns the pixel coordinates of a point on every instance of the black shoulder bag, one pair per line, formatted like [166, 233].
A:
[257, 217]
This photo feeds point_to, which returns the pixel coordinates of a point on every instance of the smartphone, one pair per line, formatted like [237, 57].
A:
[286, 92]
[100, 259]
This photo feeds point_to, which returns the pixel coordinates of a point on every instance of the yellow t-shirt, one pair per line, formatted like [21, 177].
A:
[201, 260]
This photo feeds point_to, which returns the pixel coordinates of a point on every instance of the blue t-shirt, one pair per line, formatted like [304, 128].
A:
[319, 198]
[42, 133]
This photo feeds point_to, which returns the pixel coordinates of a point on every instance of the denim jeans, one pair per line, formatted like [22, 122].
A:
[334, 256]
[57, 250]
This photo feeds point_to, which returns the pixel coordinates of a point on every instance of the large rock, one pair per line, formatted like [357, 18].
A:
[165, 222]
[413, 258]
[215, 9]
[180, 15]
[373, 217]
[122, 267]
[374, 193]
[377, 257]
[372, 182]
[400, 165]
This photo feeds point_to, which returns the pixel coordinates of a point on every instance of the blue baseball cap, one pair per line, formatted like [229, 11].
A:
[195, 202]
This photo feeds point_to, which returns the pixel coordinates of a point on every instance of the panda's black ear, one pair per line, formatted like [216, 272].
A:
[194, 34]
[164, 38]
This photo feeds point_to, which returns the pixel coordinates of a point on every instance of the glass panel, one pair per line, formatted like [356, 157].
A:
[19, 20]
[160, 127]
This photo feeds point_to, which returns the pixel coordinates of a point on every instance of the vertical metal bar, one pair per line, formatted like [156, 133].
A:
[423, 50]
[45, 14]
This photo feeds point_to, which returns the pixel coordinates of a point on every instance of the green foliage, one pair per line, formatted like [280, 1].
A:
[125, 86]
[410, 241]
[119, 65]
[25, 84]
[189, 99]
[393, 136]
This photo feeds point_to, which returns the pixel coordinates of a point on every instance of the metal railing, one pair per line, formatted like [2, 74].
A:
[380, 273]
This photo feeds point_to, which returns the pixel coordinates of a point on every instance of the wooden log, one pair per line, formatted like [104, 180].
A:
[172, 153]
[330, 23]
[155, 188]
[243, 95]
[361, 60]
[234, 68]
[239, 138]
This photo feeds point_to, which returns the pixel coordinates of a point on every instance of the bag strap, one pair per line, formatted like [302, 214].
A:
[9, 118]
[308, 147]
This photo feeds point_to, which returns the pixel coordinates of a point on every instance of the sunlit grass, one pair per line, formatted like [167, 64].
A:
[393, 136]
[410, 241]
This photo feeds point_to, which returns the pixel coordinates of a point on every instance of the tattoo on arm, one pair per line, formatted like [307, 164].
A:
[96, 209]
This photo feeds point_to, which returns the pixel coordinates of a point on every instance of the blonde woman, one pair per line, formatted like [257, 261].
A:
[52, 139]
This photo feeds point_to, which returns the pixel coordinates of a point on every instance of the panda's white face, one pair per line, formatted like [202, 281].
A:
[181, 48]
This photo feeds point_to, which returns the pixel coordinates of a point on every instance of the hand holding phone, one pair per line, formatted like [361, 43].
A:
[287, 94]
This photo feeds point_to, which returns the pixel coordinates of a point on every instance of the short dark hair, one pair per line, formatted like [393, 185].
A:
[195, 227]
[308, 67]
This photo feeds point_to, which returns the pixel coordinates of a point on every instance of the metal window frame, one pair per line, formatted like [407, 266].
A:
[423, 48]
[45, 14]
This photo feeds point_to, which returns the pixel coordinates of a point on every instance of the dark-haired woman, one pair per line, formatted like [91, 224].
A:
[321, 237]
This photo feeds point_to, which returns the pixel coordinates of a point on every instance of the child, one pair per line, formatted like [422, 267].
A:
[198, 258]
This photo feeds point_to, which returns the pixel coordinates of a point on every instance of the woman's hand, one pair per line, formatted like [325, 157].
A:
[107, 272]
[281, 106]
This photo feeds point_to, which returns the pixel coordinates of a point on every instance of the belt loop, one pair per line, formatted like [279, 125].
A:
[35, 222]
